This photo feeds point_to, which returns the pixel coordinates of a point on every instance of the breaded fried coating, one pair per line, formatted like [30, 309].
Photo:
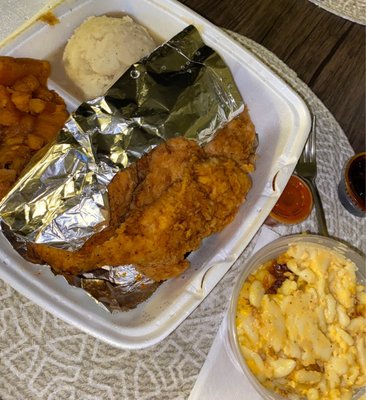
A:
[237, 140]
[182, 194]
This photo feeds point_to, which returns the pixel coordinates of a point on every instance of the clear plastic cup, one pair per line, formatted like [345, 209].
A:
[269, 252]
[294, 205]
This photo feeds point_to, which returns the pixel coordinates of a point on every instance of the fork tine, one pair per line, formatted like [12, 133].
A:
[307, 149]
[306, 168]
[308, 153]
[312, 140]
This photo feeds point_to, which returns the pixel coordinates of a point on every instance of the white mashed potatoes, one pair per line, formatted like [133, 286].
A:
[102, 49]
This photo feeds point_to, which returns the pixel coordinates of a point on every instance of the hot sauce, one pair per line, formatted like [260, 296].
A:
[294, 205]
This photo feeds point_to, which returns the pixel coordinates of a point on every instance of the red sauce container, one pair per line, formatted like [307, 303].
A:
[351, 188]
[294, 205]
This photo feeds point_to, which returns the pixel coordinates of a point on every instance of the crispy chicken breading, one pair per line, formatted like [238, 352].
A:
[165, 204]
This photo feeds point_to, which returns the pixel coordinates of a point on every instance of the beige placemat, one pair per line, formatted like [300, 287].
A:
[354, 10]
[43, 358]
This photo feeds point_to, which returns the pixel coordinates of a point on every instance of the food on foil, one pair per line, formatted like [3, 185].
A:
[165, 204]
[188, 91]
[301, 324]
[101, 49]
[31, 115]
[67, 199]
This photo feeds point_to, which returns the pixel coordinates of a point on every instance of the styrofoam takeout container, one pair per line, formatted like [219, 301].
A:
[282, 122]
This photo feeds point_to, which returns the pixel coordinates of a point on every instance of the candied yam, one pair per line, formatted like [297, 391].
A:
[8, 117]
[61, 110]
[7, 175]
[9, 153]
[44, 94]
[20, 158]
[4, 97]
[26, 124]
[58, 99]
[28, 84]
[36, 106]
[35, 142]
[13, 140]
[14, 69]
[21, 100]
[5, 186]
[7, 179]
[48, 125]
[50, 108]
[30, 114]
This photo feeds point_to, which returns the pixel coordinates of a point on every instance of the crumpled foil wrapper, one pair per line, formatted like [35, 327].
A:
[183, 88]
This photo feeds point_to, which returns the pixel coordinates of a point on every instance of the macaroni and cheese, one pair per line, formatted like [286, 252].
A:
[301, 324]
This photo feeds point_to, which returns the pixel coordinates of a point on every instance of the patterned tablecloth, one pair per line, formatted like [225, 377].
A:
[41, 357]
[354, 10]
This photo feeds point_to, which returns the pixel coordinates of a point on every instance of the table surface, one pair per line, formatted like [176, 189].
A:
[326, 51]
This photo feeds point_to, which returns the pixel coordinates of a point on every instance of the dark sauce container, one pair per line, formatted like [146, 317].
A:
[351, 188]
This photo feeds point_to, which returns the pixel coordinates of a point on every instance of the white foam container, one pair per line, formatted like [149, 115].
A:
[282, 122]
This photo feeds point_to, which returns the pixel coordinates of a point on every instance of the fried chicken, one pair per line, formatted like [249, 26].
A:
[165, 204]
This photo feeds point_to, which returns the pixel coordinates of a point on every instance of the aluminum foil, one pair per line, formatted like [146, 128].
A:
[117, 288]
[183, 88]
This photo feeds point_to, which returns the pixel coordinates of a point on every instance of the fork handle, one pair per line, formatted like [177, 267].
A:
[322, 225]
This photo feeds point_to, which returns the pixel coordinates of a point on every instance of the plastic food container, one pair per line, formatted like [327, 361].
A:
[294, 205]
[266, 253]
[351, 189]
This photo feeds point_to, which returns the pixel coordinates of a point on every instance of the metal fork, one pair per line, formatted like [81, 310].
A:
[306, 169]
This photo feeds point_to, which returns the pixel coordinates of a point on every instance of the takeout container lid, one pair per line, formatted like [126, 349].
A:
[266, 253]
[282, 132]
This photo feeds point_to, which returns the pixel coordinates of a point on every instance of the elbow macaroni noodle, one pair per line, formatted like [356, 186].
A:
[302, 332]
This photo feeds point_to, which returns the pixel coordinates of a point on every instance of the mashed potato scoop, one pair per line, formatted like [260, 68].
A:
[101, 50]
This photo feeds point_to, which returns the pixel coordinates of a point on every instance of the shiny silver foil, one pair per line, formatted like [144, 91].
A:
[183, 88]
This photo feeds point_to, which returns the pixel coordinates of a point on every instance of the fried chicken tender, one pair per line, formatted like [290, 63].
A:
[180, 193]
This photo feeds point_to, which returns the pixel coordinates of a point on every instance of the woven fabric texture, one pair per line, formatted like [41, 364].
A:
[43, 358]
[354, 10]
